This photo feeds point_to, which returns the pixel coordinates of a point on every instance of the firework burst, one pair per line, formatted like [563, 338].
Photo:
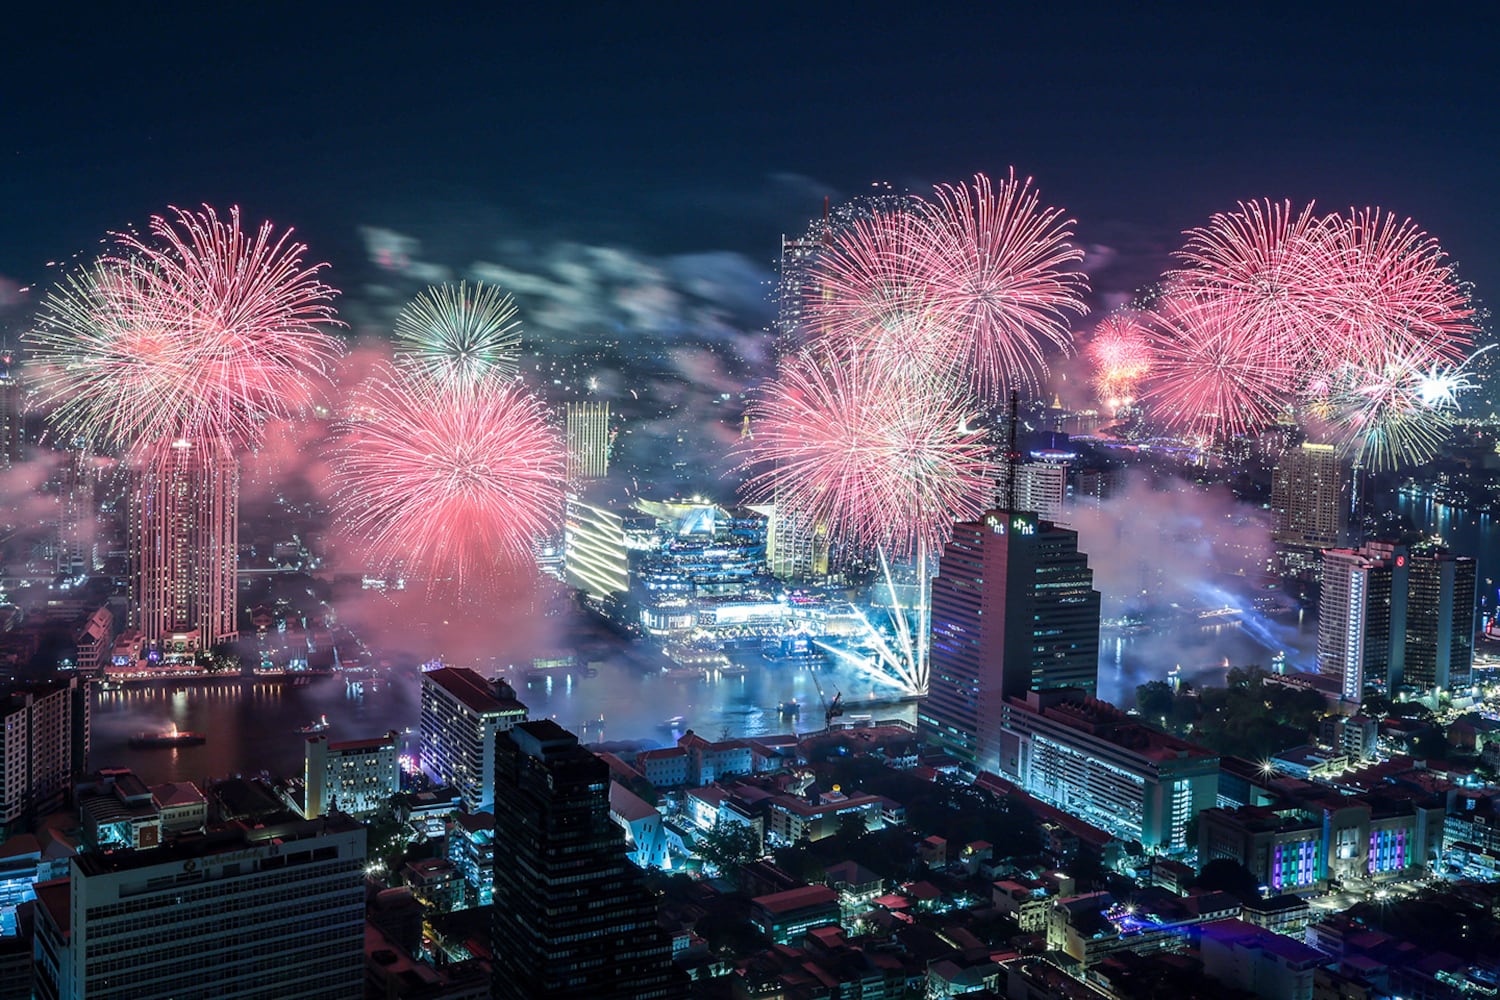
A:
[1395, 292]
[1120, 354]
[452, 333]
[1209, 374]
[198, 331]
[1397, 409]
[451, 482]
[878, 456]
[998, 265]
[1269, 268]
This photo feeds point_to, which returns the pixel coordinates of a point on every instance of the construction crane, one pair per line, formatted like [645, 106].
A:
[831, 710]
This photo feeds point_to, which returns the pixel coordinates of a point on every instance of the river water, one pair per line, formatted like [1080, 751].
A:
[252, 727]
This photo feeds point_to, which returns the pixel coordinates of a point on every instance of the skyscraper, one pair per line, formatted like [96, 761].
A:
[44, 741]
[461, 714]
[1439, 622]
[796, 546]
[572, 916]
[1362, 617]
[1041, 487]
[273, 910]
[10, 410]
[76, 517]
[1310, 502]
[185, 546]
[1014, 610]
[587, 440]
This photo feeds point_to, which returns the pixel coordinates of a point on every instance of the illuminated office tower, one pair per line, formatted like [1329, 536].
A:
[1310, 503]
[77, 519]
[1041, 487]
[184, 546]
[587, 440]
[1439, 623]
[461, 714]
[572, 916]
[10, 411]
[1014, 610]
[796, 546]
[1362, 617]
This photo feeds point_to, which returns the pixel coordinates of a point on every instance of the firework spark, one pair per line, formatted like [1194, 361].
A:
[1210, 374]
[998, 265]
[451, 482]
[452, 333]
[878, 456]
[198, 331]
[1398, 409]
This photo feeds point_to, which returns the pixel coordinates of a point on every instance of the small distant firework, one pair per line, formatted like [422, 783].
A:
[199, 331]
[880, 457]
[454, 333]
[1208, 374]
[452, 482]
[998, 264]
[1120, 354]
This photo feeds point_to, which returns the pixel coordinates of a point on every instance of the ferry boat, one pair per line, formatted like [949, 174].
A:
[320, 725]
[675, 724]
[789, 708]
[168, 738]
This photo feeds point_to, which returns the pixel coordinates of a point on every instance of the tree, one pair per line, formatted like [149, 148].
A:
[1154, 699]
[729, 845]
[1228, 875]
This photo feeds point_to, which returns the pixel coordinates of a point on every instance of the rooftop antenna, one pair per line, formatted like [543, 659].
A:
[1012, 454]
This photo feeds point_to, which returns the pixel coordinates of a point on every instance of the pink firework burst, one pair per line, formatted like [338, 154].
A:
[198, 331]
[877, 455]
[1393, 290]
[1269, 267]
[1120, 355]
[868, 288]
[1210, 374]
[450, 482]
[999, 268]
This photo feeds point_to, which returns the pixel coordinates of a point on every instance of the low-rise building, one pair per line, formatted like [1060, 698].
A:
[645, 831]
[356, 777]
[786, 916]
[1091, 927]
[471, 848]
[1265, 963]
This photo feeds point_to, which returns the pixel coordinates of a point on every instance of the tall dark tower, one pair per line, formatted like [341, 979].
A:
[10, 410]
[572, 917]
[1014, 609]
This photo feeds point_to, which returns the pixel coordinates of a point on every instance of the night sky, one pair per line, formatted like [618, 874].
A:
[722, 126]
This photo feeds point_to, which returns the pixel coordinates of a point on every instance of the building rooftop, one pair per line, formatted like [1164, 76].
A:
[1073, 708]
[177, 793]
[791, 900]
[219, 840]
[390, 739]
[1286, 948]
[474, 692]
[629, 805]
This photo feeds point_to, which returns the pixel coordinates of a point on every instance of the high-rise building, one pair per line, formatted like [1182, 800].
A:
[76, 516]
[10, 410]
[596, 559]
[796, 545]
[1362, 617]
[272, 910]
[1089, 759]
[357, 777]
[1014, 610]
[1310, 502]
[573, 918]
[1041, 487]
[1439, 622]
[184, 547]
[461, 714]
[44, 742]
[587, 440]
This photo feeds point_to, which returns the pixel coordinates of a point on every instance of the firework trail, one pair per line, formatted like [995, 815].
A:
[879, 456]
[1397, 409]
[1270, 268]
[1120, 354]
[1209, 373]
[198, 331]
[998, 265]
[451, 482]
[452, 333]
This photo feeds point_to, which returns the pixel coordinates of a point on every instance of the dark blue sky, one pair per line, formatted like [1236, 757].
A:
[718, 126]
